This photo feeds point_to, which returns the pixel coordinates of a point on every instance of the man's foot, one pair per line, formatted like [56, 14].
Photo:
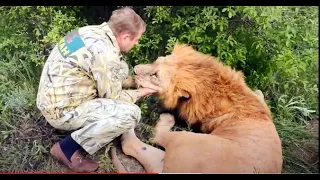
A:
[78, 162]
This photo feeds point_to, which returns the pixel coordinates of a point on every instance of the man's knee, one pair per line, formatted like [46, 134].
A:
[127, 114]
[134, 112]
[101, 130]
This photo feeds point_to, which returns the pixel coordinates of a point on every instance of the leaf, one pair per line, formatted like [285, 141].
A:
[230, 14]
[288, 43]
[221, 27]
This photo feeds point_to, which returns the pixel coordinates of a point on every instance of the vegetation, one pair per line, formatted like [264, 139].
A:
[275, 47]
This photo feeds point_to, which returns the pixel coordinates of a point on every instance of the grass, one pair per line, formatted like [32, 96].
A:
[298, 130]
[300, 147]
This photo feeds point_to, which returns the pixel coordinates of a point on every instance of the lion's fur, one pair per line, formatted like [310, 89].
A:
[215, 90]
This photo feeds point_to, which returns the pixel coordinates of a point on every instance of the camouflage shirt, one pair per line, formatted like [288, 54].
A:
[85, 64]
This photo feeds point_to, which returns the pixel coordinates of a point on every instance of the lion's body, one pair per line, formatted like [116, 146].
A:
[247, 152]
[238, 133]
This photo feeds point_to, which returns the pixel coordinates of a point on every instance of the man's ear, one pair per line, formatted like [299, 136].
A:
[124, 36]
[127, 36]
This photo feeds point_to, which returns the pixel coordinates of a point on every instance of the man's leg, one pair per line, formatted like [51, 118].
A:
[100, 121]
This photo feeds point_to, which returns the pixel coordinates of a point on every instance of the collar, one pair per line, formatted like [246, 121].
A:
[105, 27]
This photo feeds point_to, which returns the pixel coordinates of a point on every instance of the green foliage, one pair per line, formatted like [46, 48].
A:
[34, 30]
[27, 34]
[273, 46]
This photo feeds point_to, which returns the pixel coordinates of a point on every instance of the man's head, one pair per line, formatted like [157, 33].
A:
[127, 26]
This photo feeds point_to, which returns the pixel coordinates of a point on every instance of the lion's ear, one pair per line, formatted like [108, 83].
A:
[185, 94]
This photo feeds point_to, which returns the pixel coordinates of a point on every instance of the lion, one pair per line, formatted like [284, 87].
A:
[237, 131]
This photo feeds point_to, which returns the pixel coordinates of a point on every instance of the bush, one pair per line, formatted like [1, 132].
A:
[27, 34]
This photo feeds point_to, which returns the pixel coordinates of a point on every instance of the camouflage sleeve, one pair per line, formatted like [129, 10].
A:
[129, 96]
[109, 74]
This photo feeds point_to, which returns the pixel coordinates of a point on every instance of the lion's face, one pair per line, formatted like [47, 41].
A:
[199, 86]
[161, 75]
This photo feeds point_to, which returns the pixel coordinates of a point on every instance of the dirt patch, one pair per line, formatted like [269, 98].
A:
[39, 128]
[313, 156]
[313, 126]
[26, 148]
[33, 138]
[307, 151]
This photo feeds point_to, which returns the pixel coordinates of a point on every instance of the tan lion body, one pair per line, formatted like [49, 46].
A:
[238, 133]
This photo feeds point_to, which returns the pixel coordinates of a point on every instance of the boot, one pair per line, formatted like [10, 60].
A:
[78, 162]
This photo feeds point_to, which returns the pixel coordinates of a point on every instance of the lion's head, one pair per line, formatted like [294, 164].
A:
[198, 85]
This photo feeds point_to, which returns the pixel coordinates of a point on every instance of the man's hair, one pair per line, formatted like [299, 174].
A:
[126, 20]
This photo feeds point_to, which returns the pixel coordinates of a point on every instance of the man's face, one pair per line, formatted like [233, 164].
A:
[126, 42]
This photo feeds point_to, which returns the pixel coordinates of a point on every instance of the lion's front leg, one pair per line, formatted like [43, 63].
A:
[165, 123]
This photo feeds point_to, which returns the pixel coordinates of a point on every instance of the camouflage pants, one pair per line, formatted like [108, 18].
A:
[99, 121]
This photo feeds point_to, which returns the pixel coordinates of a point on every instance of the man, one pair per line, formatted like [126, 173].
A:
[81, 88]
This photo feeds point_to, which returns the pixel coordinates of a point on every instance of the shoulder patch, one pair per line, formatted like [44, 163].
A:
[71, 43]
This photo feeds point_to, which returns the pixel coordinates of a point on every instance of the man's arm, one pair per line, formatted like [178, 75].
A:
[129, 95]
[105, 67]
[107, 73]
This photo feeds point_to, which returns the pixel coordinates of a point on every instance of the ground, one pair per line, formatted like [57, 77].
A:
[26, 147]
